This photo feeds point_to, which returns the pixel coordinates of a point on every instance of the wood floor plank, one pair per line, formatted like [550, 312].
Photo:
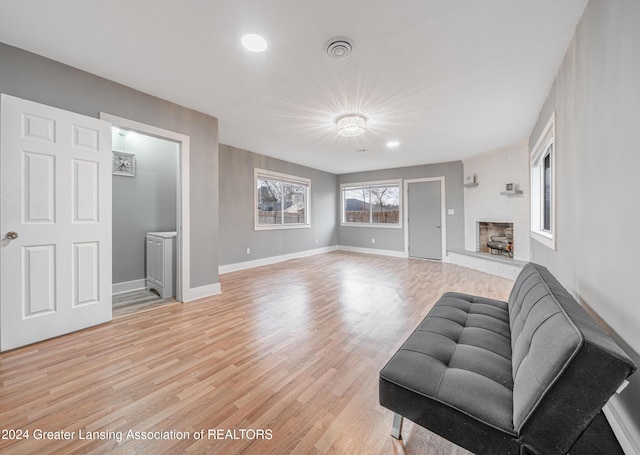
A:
[292, 350]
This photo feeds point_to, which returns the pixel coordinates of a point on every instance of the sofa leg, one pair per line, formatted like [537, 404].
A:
[396, 430]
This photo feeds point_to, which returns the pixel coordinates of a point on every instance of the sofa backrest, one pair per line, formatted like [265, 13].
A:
[565, 367]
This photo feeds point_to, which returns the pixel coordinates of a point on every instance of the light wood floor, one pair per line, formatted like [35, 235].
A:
[293, 350]
[134, 301]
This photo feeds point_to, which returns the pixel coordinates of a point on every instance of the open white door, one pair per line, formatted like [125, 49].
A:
[55, 222]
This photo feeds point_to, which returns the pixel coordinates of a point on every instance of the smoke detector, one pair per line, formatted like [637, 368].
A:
[339, 47]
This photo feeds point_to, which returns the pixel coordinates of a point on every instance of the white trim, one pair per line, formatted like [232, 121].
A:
[201, 292]
[537, 154]
[274, 227]
[370, 184]
[373, 225]
[128, 286]
[281, 176]
[443, 212]
[301, 254]
[623, 433]
[272, 260]
[391, 253]
[257, 172]
[183, 246]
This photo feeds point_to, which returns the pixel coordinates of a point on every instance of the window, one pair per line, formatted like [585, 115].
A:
[281, 201]
[543, 194]
[371, 204]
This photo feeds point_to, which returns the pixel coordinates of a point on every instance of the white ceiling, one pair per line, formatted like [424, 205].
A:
[448, 79]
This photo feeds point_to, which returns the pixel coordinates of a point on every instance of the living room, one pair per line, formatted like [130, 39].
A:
[594, 101]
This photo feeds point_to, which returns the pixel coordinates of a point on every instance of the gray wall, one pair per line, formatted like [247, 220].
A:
[236, 209]
[28, 76]
[393, 239]
[144, 203]
[596, 96]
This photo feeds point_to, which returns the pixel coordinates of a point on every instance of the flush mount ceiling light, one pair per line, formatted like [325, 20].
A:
[254, 43]
[393, 144]
[351, 125]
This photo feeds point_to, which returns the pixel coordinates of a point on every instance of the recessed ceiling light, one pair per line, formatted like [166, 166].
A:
[254, 43]
[393, 144]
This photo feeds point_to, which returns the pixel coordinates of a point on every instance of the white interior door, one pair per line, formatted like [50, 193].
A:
[55, 222]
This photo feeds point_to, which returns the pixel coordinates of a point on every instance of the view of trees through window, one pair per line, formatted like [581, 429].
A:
[281, 202]
[543, 191]
[546, 176]
[372, 204]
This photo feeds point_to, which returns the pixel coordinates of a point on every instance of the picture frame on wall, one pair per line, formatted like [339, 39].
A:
[124, 164]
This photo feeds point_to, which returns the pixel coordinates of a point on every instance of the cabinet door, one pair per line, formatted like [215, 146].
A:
[150, 258]
[158, 261]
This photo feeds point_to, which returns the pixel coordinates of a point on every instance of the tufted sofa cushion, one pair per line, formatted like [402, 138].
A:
[461, 351]
[565, 367]
[543, 340]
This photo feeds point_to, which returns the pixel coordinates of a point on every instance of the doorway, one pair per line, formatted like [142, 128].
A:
[55, 256]
[144, 200]
[425, 236]
[181, 197]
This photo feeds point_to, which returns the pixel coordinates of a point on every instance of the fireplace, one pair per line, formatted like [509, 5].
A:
[495, 238]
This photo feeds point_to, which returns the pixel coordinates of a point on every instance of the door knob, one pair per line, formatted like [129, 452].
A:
[438, 226]
[11, 235]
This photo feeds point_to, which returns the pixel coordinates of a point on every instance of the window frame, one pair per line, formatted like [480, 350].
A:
[545, 148]
[263, 174]
[371, 184]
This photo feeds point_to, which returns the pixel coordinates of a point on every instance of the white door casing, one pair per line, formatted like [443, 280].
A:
[184, 292]
[55, 193]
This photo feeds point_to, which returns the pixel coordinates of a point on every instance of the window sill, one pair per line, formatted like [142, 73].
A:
[545, 238]
[281, 226]
[372, 225]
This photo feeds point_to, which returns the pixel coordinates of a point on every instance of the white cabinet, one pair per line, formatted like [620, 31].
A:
[161, 248]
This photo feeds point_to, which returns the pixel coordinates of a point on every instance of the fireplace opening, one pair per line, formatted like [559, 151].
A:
[495, 238]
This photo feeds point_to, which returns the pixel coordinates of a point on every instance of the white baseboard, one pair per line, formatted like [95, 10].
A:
[301, 254]
[128, 286]
[355, 249]
[630, 444]
[272, 260]
[201, 292]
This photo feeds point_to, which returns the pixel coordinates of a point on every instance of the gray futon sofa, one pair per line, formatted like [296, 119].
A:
[527, 376]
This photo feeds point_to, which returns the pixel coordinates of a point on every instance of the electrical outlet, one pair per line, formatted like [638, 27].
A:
[248, 250]
[373, 241]
[317, 241]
